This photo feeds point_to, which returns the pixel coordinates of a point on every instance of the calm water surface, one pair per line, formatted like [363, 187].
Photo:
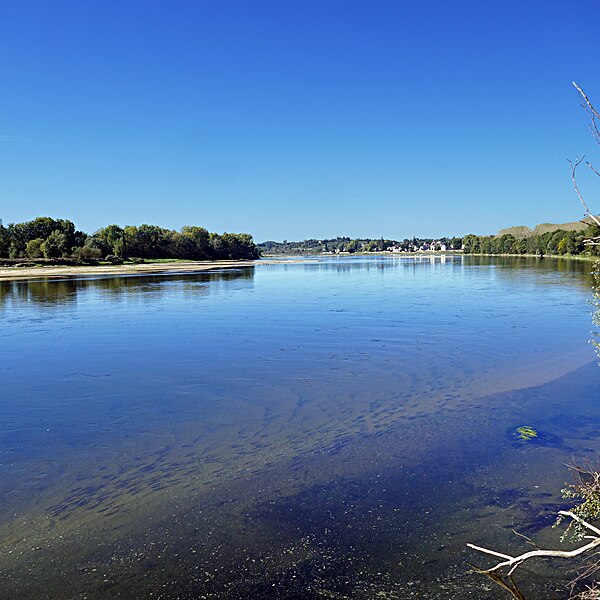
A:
[329, 428]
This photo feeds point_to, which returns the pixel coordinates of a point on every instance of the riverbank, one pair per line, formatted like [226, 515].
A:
[581, 257]
[62, 272]
[52, 271]
[426, 254]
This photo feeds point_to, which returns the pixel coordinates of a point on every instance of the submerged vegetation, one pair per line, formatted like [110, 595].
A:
[526, 433]
[49, 238]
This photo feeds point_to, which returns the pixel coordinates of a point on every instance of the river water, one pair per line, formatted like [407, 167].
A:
[322, 428]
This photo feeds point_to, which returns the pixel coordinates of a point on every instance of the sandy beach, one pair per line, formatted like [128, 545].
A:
[62, 272]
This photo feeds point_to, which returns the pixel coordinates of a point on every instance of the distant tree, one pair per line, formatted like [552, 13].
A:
[200, 241]
[4, 242]
[470, 244]
[87, 251]
[112, 240]
[236, 246]
[33, 249]
[55, 245]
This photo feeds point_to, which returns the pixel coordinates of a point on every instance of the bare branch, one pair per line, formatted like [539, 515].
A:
[591, 112]
[568, 513]
[592, 168]
[574, 166]
[512, 562]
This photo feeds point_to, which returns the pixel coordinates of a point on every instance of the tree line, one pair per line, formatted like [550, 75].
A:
[350, 245]
[557, 242]
[45, 237]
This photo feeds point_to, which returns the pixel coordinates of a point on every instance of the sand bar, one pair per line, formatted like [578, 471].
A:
[62, 272]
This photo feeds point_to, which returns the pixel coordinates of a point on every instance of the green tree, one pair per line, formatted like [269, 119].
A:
[55, 245]
[200, 241]
[471, 244]
[4, 242]
[112, 240]
[34, 248]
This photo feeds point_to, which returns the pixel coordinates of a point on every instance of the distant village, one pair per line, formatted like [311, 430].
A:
[433, 246]
[346, 245]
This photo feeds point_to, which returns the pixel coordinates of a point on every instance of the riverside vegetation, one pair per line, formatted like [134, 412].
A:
[55, 239]
[546, 239]
[48, 239]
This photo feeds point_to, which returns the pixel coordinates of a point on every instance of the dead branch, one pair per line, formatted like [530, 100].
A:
[574, 166]
[512, 562]
[592, 113]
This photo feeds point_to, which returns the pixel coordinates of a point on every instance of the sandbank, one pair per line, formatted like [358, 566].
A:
[62, 272]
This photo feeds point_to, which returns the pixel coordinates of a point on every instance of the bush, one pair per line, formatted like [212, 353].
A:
[114, 260]
[87, 252]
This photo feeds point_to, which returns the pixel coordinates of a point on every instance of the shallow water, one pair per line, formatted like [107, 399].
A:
[334, 428]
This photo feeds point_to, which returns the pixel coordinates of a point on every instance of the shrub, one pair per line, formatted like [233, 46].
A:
[114, 260]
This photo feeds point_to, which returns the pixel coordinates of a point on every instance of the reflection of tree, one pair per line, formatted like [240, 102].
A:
[596, 313]
[61, 292]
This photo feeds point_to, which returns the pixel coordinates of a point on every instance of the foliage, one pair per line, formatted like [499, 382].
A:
[114, 260]
[87, 252]
[55, 245]
[552, 242]
[58, 238]
[33, 249]
[585, 489]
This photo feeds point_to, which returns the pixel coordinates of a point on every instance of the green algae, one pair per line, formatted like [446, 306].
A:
[526, 433]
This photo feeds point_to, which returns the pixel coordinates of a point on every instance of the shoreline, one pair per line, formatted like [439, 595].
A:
[157, 268]
[425, 254]
[67, 272]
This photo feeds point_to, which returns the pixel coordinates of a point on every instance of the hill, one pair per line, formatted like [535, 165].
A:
[522, 231]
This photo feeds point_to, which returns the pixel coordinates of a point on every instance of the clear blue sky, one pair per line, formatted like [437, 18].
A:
[295, 119]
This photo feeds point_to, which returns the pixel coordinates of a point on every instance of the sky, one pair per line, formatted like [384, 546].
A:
[297, 119]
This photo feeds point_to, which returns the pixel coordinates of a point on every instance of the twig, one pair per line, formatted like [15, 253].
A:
[527, 539]
[592, 168]
[591, 112]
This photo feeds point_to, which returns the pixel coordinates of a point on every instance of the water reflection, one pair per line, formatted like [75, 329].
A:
[62, 292]
[580, 272]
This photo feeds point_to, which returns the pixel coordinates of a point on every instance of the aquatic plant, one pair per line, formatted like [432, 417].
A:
[526, 433]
